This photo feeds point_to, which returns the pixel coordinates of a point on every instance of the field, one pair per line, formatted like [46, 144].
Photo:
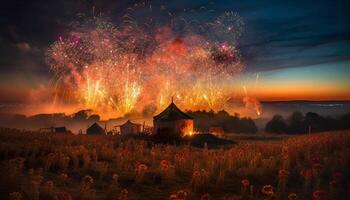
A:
[50, 166]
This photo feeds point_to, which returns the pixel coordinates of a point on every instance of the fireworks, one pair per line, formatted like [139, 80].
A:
[251, 102]
[125, 68]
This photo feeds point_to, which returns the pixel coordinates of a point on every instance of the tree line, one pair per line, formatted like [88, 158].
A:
[203, 120]
[298, 123]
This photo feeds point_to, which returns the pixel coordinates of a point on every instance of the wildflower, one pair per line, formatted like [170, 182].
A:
[123, 195]
[197, 179]
[181, 194]
[153, 152]
[245, 182]
[63, 176]
[115, 178]
[196, 173]
[142, 168]
[15, 196]
[245, 188]
[88, 180]
[283, 173]
[267, 190]
[206, 197]
[164, 164]
[292, 196]
[179, 156]
[173, 197]
[49, 184]
[86, 190]
[307, 174]
[64, 196]
[319, 194]
[284, 153]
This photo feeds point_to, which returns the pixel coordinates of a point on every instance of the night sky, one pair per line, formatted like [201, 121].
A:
[298, 47]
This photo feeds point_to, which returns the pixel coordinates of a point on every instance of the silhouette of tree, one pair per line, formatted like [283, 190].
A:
[94, 118]
[296, 123]
[203, 120]
[344, 122]
[276, 125]
[315, 122]
[81, 115]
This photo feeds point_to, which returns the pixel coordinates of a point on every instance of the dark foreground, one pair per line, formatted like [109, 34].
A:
[43, 166]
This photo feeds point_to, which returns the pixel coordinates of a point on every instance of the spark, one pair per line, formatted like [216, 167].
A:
[120, 69]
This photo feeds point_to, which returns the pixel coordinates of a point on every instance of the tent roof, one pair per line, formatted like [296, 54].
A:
[129, 123]
[172, 112]
[95, 128]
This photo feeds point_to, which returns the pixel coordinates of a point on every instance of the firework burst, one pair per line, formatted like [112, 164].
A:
[121, 69]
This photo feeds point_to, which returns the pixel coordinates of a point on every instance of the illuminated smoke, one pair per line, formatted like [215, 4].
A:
[140, 65]
[251, 102]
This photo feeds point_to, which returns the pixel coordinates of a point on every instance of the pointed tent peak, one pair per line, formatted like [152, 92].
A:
[129, 122]
[95, 128]
[172, 112]
[95, 125]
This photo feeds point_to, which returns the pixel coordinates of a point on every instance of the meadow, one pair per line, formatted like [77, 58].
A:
[63, 167]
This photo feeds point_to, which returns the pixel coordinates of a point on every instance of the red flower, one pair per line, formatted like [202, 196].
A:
[173, 197]
[307, 174]
[164, 163]
[283, 173]
[179, 156]
[267, 190]
[292, 196]
[64, 196]
[319, 194]
[284, 153]
[88, 179]
[206, 197]
[142, 168]
[181, 194]
[245, 182]
[196, 173]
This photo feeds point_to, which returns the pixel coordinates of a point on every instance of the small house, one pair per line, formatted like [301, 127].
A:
[172, 122]
[95, 129]
[61, 129]
[130, 128]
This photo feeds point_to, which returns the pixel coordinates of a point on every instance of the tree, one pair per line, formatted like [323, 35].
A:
[315, 122]
[296, 123]
[94, 118]
[276, 125]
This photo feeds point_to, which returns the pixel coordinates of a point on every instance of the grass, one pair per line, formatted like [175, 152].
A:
[51, 166]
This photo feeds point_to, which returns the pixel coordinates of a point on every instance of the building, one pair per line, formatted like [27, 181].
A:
[130, 128]
[61, 129]
[172, 122]
[95, 129]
